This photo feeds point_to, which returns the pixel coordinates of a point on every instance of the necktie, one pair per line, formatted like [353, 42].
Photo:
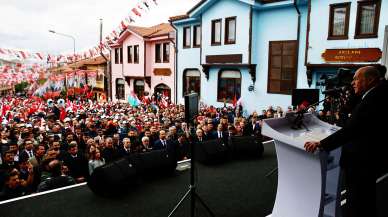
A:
[30, 154]
[219, 135]
[164, 143]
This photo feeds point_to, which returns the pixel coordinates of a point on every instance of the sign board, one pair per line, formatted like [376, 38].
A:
[352, 55]
[162, 71]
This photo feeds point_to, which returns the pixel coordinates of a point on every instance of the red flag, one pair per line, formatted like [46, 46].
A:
[39, 55]
[89, 95]
[24, 54]
[62, 114]
[234, 100]
[136, 12]
[123, 26]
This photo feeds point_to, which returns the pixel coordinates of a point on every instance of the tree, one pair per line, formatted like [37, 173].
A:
[21, 87]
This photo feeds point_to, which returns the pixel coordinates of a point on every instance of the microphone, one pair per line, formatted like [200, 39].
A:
[334, 90]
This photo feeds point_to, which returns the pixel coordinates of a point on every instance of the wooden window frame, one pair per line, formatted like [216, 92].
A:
[136, 88]
[117, 55]
[184, 81]
[357, 34]
[136, 55]
[295, 74]
[213, 37]
[129, 54]
[185, 46]
[227, 30]
[195, 36]
[117, 92]
[218, 84]
[121, 55]
[157, 53]
[331, 20]
[166, 58]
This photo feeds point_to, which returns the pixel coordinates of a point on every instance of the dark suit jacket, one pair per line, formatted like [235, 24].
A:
[250, 131]
[158, 145]
[78, 166]
[171, 147]
[224, 138]
[110, 154]
[364, 141]
[24, 155]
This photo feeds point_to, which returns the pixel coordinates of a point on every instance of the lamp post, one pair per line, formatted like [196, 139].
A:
[72, 37]
[66, 35]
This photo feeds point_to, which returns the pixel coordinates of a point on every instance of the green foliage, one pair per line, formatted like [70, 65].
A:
[21, 86]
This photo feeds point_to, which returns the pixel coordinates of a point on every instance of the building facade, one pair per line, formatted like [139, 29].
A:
[247, 50]
[345, 34]
[143, 61]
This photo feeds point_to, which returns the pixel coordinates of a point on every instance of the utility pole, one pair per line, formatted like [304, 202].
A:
[107, 73]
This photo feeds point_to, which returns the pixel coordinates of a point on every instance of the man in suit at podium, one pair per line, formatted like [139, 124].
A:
[364, 147]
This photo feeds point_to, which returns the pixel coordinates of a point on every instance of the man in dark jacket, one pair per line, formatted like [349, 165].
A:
[77, 163]
[363, 158]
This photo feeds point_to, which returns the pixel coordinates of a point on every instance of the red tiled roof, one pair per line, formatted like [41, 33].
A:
[179, 17]
[153, 31]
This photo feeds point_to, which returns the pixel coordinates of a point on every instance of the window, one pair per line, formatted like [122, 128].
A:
[229, 85]
[139, 88]
[187, 37]
[120, 88]
[166, 52]
[121, 55]
[339, 21]
[197, 36]
[216, 32]
[157, 53]
[117, 55]
[191, 81]
[129, 52]
[367, 23]
[136, 54]
[230, 30]
[282, 66]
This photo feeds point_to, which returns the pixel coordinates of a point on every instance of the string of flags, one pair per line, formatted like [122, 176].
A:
[140, 9]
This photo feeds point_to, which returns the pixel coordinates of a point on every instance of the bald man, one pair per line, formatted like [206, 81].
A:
[364, 153]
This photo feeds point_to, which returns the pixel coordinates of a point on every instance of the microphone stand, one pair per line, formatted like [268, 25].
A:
[297, 124]
[192, 187]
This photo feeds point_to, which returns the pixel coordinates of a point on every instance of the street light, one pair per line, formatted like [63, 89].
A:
[66, 35]
[72, 37]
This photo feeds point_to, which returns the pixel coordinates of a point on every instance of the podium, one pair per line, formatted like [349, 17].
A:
[308, 183]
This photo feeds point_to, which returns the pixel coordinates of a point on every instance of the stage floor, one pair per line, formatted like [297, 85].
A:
[235, 188]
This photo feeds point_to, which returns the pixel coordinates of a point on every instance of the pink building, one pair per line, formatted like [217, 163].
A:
[143, 60]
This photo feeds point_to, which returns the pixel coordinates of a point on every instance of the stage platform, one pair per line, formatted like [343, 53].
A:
[235, 188]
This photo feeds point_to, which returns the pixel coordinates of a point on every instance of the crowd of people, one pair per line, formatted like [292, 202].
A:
[47, 145]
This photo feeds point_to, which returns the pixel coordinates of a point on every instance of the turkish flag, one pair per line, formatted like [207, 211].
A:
[62, 114]
[136, 12]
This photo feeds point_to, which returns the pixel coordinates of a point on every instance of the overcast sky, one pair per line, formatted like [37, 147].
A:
[24, 24]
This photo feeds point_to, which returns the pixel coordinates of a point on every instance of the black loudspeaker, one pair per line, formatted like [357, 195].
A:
[113, 178]
[191, 107]
[211, 152]
[300, 95]
[157, 162]
[246, 146]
